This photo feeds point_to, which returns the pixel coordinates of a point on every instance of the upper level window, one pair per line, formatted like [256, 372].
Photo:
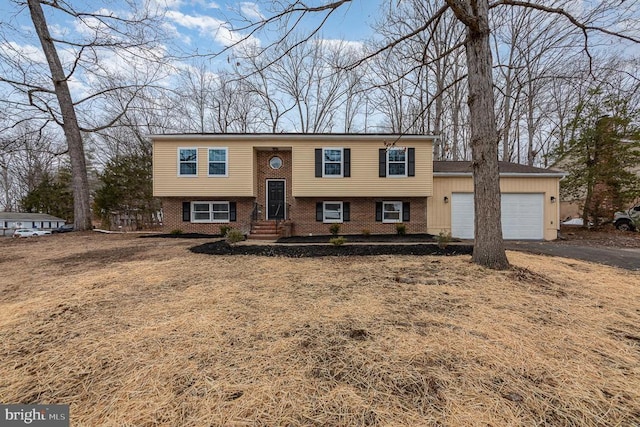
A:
[187, 161]
[275, 162]
[217, 162]
[396, 161]
[332, 161]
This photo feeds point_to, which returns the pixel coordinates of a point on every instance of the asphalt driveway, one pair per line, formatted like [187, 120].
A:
[627, 258]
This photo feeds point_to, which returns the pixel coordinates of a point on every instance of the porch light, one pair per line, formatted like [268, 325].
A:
[446, 199]
[553, 199]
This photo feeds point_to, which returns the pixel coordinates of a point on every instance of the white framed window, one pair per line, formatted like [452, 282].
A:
[187, 161]
[210, 212]
[332, 162]
[218, 161]
[332, 212]
[391, 211]
[397, 161]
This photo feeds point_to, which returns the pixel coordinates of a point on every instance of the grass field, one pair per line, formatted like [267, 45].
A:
[143, 332]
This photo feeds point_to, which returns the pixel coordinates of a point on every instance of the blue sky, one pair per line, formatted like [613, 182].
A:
[198, 22]
[202, 24]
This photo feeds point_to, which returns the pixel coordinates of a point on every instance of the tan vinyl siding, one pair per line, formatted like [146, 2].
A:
[439, 212]
[239, 181]
[242, 179]
[364, 180]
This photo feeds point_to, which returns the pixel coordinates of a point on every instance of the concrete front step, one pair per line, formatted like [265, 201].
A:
[265, 230]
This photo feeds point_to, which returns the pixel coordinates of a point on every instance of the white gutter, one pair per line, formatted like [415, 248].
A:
[288, 136]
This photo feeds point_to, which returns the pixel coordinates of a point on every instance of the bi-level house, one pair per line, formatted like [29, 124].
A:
[301, 184]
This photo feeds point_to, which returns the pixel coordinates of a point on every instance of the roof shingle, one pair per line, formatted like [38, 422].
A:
[444, 166]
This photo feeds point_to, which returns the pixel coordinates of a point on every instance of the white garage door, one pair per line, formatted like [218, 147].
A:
[522, 216]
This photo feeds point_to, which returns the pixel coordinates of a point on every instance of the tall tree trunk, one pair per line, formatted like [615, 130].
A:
[506, 152]
[531, 155]
[489, 246]
[81, 202]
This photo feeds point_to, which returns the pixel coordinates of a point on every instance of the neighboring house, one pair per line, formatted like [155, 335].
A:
[10, 221]
[304, 183]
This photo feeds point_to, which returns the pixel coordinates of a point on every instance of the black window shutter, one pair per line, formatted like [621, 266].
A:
[232, 211]
[319, 211]
[318, 162]
[186, 211]
[378, 211]
[346, 211]
[412, 162]
[382, 163]
[347, 162]
[406, 212]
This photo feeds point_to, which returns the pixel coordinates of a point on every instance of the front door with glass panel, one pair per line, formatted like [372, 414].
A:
[275, 199]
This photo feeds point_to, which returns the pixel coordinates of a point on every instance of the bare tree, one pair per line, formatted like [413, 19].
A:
[27, 155]
[102, 40]
[473, 15]
[303, 85]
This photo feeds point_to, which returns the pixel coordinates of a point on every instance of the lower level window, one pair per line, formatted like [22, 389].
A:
[391, 211]
[332, 212]
[210, 211]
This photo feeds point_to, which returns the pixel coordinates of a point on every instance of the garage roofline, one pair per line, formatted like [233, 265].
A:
[504, 175]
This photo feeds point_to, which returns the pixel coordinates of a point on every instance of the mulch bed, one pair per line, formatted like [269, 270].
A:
[305, 251]
[360, 238]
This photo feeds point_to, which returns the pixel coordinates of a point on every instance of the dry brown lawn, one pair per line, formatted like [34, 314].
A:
[143, 332]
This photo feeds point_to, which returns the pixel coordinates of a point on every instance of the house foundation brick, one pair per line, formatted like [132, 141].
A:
[362, 217]
[172, 215]
[303, 216]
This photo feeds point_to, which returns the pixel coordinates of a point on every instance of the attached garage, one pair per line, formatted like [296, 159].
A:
[529, 201]
[522, 216]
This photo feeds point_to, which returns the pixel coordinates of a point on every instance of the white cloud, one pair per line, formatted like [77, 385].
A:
[28, 51]
[89, 25]
[251, 11]
[341, 44]
[207, 25]
[206, 4]
[166, 4]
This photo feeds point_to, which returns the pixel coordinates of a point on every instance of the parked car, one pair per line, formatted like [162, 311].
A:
[627, 220]
[64, 228]
[27, 232]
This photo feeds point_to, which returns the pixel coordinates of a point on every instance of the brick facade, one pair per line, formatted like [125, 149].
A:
[303, 217]
[265, 172]
[363, 217]
[172, 215]
[300, 211]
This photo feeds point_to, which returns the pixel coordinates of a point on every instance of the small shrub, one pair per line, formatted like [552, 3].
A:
[234, 236]
[401, 229]
[366, 232]
[224, 229]
[175, 231]
[337, 241]
[334, 229]
[444, 238]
